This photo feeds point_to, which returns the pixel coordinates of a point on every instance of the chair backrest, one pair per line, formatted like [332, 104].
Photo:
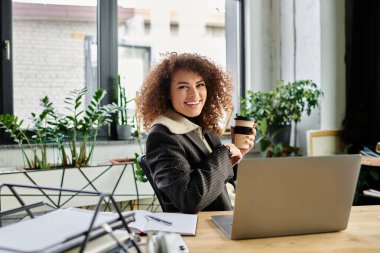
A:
[145, 168]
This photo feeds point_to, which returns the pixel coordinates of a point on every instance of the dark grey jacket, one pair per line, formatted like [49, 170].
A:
[190, 178]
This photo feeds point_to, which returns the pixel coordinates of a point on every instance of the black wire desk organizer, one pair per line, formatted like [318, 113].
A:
[26, 211]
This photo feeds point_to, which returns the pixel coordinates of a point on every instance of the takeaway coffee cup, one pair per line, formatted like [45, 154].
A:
[243, 127]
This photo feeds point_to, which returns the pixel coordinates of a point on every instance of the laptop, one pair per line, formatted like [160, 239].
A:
[291, 196]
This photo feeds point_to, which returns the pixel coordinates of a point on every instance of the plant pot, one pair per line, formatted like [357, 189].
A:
[124, 132]
[280, 134]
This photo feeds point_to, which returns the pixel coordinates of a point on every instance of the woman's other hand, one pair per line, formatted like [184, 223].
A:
[236, 154]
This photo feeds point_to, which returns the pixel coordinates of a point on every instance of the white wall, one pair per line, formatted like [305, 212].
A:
[295, 40]
[333, 77]
[308, 58]
[259, 62]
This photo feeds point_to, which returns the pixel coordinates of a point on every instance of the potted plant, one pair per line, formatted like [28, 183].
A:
[81, 126]
[79, 129]
[274, 111]
[124, 123]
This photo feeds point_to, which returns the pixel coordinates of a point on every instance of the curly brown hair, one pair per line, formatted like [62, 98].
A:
[153, 98]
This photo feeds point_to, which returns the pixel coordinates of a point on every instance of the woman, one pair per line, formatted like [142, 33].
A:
[182, 101]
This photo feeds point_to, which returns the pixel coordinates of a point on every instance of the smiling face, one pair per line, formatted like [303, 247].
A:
[188, 93]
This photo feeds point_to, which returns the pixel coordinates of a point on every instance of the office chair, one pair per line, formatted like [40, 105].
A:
[145, 168]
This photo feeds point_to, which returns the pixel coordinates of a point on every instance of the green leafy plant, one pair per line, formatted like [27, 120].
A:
[36, 139]
[140, 176]
[280, 107]
[79, 128]
[83, 124]
[284, 104]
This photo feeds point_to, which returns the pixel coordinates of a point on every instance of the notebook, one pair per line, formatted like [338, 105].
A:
[291, 196]
[145, 221]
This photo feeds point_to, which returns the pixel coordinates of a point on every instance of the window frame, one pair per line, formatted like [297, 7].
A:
[235, 48]
[107, 55]
[6, 90]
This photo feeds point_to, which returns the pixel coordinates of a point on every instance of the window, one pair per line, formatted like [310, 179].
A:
[58, 45]
[149, 29]
[50, 51]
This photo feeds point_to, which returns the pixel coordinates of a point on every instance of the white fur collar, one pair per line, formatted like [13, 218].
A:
[176, 123]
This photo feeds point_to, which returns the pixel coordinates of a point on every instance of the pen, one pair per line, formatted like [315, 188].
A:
[168, 223]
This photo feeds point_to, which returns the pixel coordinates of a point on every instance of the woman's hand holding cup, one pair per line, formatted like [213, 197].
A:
[243, 134]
